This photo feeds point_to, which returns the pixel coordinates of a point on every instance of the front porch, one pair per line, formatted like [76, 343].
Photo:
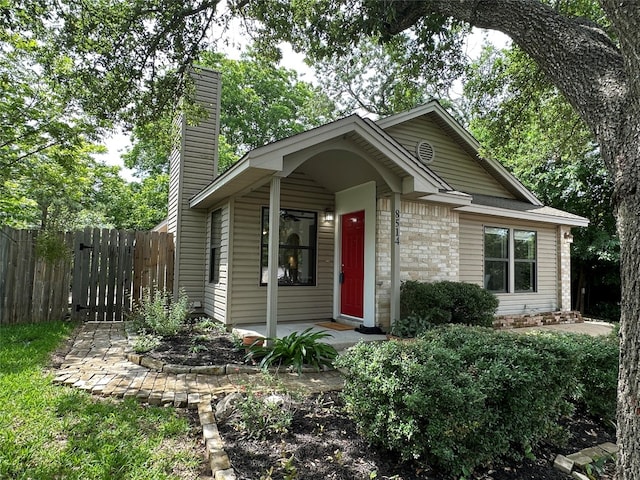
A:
[340, 339]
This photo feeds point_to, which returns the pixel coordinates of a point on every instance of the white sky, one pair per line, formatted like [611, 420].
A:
[117, 143]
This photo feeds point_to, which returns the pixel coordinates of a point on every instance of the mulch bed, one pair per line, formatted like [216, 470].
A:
[193, 347]
[325, 443]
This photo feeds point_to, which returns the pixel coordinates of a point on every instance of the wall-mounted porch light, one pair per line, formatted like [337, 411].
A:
[328, 214]
[568, 237]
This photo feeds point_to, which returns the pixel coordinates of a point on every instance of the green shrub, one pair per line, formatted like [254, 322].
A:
[411, 326]
[261, 418]
[145, 342]
[159, 314]
[296, 350]
[448, 302]
[596, 372]
[459, 397]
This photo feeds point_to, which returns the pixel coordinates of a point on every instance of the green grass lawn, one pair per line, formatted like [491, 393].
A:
[55, 432]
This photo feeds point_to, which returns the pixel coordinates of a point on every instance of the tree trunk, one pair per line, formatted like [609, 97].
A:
[628, 416]
[601, 79]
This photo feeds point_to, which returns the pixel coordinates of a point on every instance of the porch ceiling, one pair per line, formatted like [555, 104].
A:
[337, 170]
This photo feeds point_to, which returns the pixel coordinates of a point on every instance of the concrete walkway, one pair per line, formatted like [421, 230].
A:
[588, 327]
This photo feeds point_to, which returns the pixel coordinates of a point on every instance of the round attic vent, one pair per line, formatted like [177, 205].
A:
[425, 152]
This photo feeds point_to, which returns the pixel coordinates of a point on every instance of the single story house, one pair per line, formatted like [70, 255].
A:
[326, 224]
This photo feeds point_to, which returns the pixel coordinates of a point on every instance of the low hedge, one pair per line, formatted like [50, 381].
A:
[460, 397]
[448, 302]
[596, 372]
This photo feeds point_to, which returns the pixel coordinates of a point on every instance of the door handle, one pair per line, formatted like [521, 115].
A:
[341, 277]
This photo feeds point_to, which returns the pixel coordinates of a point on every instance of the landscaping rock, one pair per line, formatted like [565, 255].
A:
[563, 464]
[579, 476]
[610, 448]
[277, 399]
[227, 405]
[580, 460]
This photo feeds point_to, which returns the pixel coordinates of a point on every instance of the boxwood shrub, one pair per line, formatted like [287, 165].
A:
[448, 302]
[596, 372]
[460, 397]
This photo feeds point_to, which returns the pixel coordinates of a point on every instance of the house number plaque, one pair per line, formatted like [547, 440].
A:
[397, 241]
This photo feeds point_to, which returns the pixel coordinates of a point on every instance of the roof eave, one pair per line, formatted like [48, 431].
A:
[574, 220]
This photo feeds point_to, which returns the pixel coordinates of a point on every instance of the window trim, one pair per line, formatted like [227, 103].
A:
[504, 260]
[534, 262]
[313, 249]
[511, 260]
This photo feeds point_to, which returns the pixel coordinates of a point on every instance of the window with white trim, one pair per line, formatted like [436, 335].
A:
[510, 260]
[525, 260]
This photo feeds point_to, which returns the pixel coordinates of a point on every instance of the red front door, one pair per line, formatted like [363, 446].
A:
[352, 272]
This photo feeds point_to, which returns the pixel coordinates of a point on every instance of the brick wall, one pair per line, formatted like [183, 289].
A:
[429, 246]
[536, 319]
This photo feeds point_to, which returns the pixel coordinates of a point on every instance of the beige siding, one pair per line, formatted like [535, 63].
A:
[216, 294]
[472, 263]
[248, 298]
[190, 171]
[451, 162]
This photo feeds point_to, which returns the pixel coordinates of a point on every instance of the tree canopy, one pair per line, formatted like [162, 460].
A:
[522, 120]
[260, 103]
[102, 62]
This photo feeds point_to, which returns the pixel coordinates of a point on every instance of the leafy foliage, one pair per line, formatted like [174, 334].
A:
[448, 302]
[459, 397]
[521, 119]
[297, 350]
[262, 417]
[411, 326]
[260, 103]
[596, 372]
[159, 314]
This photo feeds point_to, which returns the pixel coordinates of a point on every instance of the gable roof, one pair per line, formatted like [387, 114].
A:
[257, 165]
[434, 111]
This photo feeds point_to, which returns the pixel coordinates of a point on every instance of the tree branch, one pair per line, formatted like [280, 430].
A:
[578, 58]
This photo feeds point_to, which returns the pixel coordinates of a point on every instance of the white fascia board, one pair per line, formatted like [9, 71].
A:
[513, 181]
[532, 216]
[300, 141]
[431, 107]
[402, 117]
[449, 198]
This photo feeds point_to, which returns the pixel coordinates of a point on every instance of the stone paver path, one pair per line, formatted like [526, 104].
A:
[98, 363]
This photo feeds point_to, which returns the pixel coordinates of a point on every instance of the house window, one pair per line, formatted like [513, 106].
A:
[524, 258]
[297, 249]
[510, 260]
[496, 259]
[216, 242]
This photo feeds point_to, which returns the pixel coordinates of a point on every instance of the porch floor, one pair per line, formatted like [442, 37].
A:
[340, 339]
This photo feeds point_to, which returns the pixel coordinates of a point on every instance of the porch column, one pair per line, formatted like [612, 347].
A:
[272, 265]
[394, 301]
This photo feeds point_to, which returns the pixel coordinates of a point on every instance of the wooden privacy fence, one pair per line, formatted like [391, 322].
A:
[98, 274]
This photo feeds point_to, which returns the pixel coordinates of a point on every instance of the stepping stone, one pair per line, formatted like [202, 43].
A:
[563, 464]
[580, 460]
[610, 448]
